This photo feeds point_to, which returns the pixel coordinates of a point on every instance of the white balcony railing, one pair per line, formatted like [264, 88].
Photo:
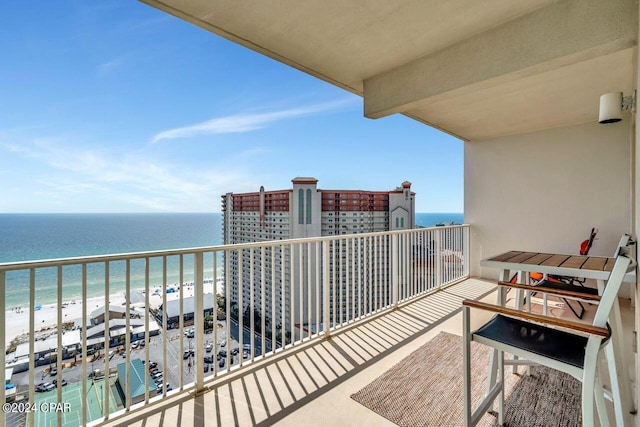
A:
[276, 295]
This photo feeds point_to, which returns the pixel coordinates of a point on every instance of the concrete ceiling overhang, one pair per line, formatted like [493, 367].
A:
[473, 69]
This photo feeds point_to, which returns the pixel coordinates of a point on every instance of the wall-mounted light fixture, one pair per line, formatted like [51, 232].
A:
[612, 105]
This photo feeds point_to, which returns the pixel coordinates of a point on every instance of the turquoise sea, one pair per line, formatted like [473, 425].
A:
[48, 236]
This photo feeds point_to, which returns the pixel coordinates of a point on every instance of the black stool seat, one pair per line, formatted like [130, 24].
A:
[567, 287]
[548, 342]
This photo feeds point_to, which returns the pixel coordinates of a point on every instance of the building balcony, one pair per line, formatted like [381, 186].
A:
[327, 335]
[322, 292]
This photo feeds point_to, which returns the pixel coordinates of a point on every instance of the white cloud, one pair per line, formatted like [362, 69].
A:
[107, 179]
[110, 67]
[239, 123]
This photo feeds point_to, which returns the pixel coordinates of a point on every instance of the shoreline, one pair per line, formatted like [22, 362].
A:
[46, 318]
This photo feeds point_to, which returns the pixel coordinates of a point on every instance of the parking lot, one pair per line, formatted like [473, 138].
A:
[170, 372]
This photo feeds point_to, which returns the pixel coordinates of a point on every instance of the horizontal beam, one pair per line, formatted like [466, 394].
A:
[549, 38]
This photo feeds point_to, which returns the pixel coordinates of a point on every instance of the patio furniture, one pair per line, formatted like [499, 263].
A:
[572, 283]
[565, 345]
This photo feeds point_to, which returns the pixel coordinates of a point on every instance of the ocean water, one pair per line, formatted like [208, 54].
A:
[430, 219]
[47, 236]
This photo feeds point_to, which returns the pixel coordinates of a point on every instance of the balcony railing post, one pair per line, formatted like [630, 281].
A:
[198, 277]
[394, 271]
[326, 323]
[438, 256]
[2, 339]
[466, 250]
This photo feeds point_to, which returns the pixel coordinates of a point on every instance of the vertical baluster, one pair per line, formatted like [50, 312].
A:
[214, 368]
[274, 289]
[59, 347]
[467, 250]
[362, 276]
[165, 363]
[318, 267]
[347, 282]
[385, 272]
[127, 336]
[411, 265]
[251, 303]
[340, 283]
[181, 319]
[334, 290]
[292, 292]
[366, 275]
[301, 287]
[240, 307]
[438, 258]
[395, 291]
[403, 268]
[354, 278]
[423, 282]
[198, 277]
[32, 337]
[227, 292]
[375, 266]
[107, 337]
[3, 379]
[283, 286]
[325, 288]
[146, 323]
[263, 308]
[84, 343]
[309, 288]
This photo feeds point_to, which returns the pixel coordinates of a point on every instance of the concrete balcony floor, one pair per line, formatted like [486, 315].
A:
[311, 384]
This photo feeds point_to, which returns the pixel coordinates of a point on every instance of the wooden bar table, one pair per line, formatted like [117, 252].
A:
[590, 267]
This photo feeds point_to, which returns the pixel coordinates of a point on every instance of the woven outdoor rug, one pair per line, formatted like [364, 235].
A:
[426, 389]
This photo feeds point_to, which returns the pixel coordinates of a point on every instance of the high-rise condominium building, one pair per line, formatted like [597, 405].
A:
[299, 212]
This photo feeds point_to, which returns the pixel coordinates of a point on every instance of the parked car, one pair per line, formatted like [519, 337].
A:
[245, 354]
[209, 348]
[62, 383]
[135, 345]
[111, 354]
[159, 381]
[206, 367]
[142, 343]
[223, 353]
[221, 363]
[43, 387]
[152, 364]
[234, 351]
[223, 344]
[208, 359]
[157, 375]
[53, 372]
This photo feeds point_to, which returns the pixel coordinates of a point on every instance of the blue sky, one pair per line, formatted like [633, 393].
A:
[118, 107]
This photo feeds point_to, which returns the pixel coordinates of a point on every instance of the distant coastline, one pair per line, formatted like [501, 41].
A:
[49, 236]
[430, 219]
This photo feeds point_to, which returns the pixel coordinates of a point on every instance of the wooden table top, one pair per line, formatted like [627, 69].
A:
[578, 262]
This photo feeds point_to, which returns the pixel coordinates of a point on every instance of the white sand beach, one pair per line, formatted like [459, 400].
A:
[17, 321]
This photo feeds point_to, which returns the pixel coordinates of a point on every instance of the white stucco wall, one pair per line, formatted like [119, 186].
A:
[543, 191]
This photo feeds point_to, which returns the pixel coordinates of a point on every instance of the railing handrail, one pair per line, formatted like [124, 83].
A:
[305, 289]
[54, 262]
